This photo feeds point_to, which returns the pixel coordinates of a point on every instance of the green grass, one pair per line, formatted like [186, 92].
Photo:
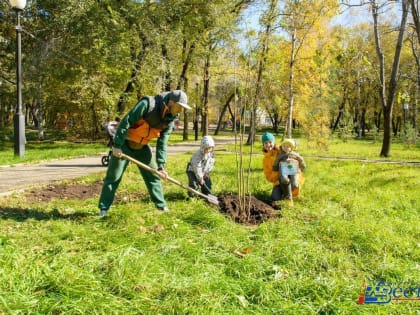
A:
[37, 151]
[353, 221]
[367, 149]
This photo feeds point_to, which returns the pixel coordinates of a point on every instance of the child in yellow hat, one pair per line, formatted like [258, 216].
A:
[289, 164]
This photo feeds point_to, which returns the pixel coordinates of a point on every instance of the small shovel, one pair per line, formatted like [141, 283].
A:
[210, 198]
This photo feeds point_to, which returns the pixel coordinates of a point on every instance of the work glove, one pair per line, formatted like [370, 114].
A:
[116, 152]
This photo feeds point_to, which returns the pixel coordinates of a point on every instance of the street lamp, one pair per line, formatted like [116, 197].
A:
[19, 118]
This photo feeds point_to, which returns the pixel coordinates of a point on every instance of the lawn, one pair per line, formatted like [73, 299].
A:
[355, 221]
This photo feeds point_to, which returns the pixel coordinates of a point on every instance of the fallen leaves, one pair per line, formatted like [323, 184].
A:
[241, 253]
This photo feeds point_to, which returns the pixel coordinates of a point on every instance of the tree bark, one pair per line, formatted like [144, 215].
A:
[205, 109]
[223, 112]
[388, 97]
[136, 69]
[416, 20]
[183, 81]
[291, 82]
[261, 67]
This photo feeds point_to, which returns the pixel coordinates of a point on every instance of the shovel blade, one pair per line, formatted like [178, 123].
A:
[213, 200]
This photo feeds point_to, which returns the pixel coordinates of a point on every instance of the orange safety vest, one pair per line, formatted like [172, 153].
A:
[147, 128]
[141, 132]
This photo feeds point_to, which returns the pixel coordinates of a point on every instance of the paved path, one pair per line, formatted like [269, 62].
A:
[19, 177]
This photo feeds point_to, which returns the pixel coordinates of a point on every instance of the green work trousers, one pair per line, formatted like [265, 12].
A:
[116, 170]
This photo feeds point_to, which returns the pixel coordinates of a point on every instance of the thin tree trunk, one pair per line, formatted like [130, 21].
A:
[415, 49]
[205, 109]
[291, 87]
[416, 20]
[167, 73]
[377, 119]
[222, 113]
[261, 65]
[341, 109]
[183, 81]
[136, 69]
[387, 99]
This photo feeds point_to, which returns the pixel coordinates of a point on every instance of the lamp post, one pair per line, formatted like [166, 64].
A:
[19, 118]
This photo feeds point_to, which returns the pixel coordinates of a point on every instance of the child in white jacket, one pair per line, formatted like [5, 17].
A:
[200, 166]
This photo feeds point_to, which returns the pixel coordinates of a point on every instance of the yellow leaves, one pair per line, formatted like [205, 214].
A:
[241, 253]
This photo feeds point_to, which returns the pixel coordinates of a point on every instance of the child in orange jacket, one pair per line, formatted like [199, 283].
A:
[271, 151]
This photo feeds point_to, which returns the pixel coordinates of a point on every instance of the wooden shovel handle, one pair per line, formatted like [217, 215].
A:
[211, 199]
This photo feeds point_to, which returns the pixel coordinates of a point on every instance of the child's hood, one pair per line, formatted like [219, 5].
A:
[206, 142]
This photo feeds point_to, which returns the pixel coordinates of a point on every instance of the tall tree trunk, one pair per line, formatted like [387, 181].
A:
[275, 121]
[223, 112]
[377, 120]
[396, 125]
[289, 124]
[415, 49]
[415, 13]
[388, 97]
[363, 122]
[138, 61]
[416, 95]
[337, 120]
[187, 54]
[166, 80]
[261, 65]
[341, 109]
[39, 113]
[206, 87]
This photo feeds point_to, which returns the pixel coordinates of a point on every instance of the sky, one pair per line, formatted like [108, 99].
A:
[350, 16]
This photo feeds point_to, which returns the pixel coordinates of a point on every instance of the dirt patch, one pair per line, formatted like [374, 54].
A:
[250, 210]
[63, 191]
[79, 191]
[256, 211]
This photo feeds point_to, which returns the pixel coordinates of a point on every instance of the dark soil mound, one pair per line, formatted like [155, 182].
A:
[249, 210]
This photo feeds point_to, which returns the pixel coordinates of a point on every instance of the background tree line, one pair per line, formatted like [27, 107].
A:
[86, 62]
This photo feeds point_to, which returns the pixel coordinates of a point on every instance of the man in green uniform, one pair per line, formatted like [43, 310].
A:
[151, 118]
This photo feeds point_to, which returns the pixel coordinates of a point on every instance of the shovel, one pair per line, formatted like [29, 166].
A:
[210, 198]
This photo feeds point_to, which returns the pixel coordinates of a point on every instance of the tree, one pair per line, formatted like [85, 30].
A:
[268, 22]
[302, 20]
[416, 53]
[387, 96]
[414, 4]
